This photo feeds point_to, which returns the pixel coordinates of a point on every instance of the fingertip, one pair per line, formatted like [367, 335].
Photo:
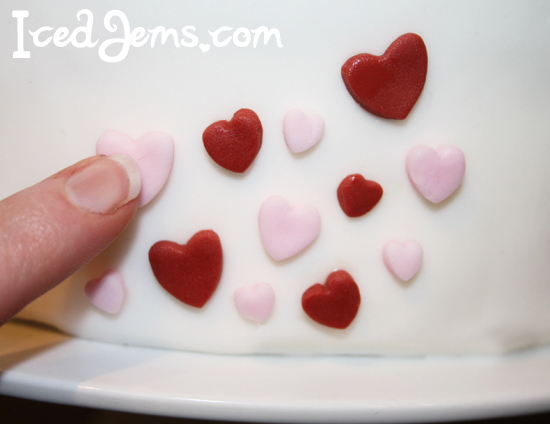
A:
[53, 228]
[104, 184]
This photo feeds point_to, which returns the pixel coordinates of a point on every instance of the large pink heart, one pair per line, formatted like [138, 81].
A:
[286, 230]
[153, 153]
[436, 174]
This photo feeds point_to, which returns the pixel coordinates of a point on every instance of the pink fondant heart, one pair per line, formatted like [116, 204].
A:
[436, 174]
[286, 230]
[153, 152]
[107, 292]
[403, 259]
[255, 302]
[302, 131]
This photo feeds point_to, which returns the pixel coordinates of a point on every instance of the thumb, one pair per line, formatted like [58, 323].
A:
[51, 229]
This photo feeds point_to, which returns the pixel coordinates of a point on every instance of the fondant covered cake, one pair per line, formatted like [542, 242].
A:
[353, 177]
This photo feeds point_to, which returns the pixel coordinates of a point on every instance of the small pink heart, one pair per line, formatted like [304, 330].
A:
[153, 153]
[286, 230]
[403, 259]
[107, 292]
[436, 174]
[255, 302]
[302, 131]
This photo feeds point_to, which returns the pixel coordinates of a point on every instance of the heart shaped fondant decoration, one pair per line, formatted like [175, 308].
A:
[302, 131]
[389, 85]
[286, 230]
[153, 153]
[189, 272]
[357, 196]
[334, 304]
[403, 259]
[436, 174]
[255, 302]
[107, 292]
[234, 144]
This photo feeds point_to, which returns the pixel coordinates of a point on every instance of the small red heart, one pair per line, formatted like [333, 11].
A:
[334, 304]
[234, 144]
[389, 85]
[358, 196]
[189, 272]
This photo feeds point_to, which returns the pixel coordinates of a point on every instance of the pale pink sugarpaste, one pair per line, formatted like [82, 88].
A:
[436, 174]
[302, 131]
[107, 292]
[403, 259]
[255, 302]
[286, 230]
[153, 152]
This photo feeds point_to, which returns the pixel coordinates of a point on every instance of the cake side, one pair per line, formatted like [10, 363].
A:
[482, 286]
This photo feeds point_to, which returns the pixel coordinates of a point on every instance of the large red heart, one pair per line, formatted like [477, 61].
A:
[189, 272]
[389, 85]
[234, 144]
[357, 196]
[334, 304]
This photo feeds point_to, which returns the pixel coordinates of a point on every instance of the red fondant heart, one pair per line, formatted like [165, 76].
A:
[334, 304]
[189, 272]
[358, 196]
[234, 144]
[389, 85]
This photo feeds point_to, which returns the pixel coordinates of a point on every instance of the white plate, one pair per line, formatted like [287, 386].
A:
[39, 364]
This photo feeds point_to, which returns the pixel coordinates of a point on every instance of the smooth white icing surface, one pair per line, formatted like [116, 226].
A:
[484, 284]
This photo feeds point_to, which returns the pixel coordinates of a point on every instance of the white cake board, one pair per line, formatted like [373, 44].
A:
[39, 364]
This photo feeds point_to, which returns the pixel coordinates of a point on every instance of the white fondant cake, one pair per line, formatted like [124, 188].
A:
[483, 285]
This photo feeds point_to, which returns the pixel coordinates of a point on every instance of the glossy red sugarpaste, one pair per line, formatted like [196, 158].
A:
[358, 196]
[389, 85]
[189, 272]
[234, 144]
[335, 303]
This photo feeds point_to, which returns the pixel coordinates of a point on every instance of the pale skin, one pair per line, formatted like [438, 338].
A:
[50, 230]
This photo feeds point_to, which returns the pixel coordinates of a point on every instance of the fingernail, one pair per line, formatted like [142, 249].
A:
[105, 184]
